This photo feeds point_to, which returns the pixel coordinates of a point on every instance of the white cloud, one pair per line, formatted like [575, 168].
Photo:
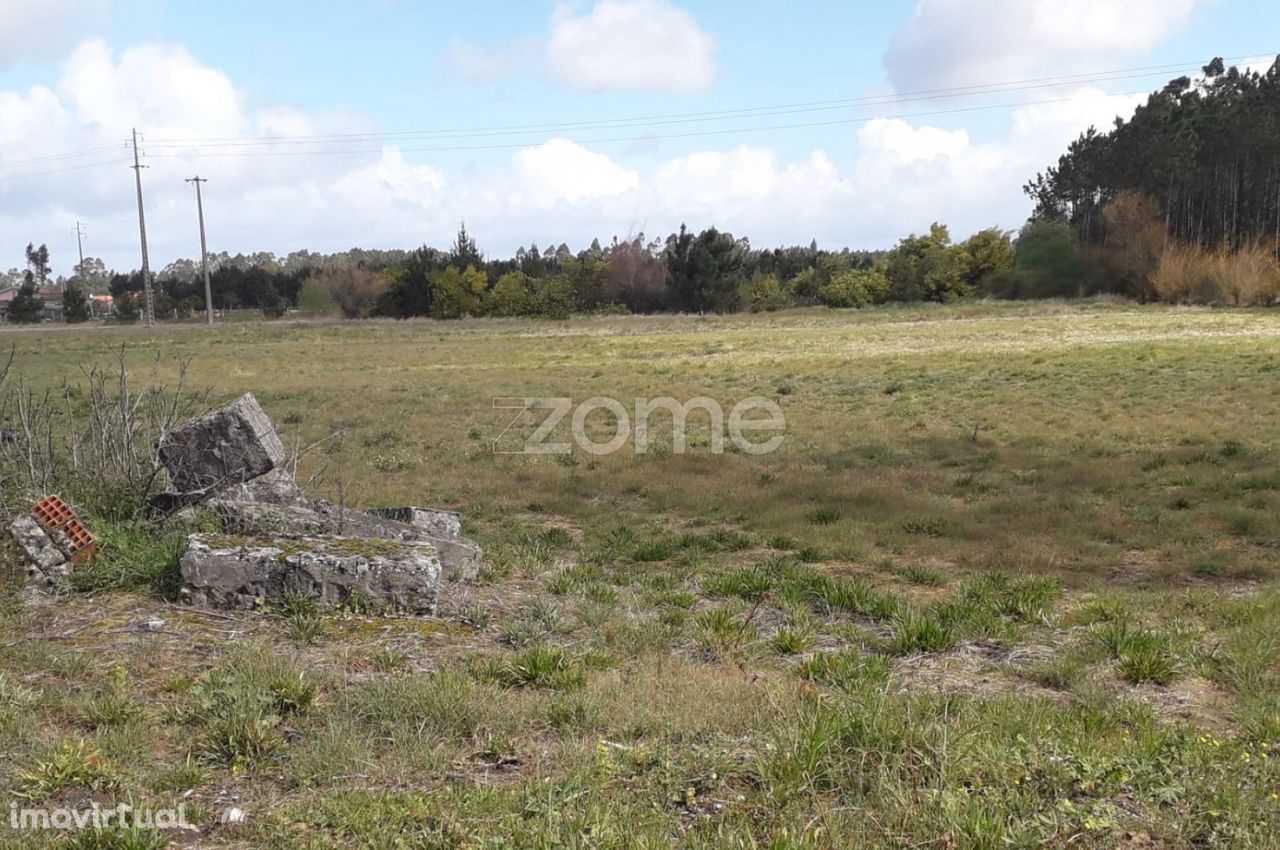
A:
[32, 29]
[630, 45]
[160, 87]
[892, 178]
[561, 170]
[952, 43]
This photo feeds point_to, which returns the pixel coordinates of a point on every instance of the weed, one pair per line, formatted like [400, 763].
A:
[303, 629]
[386, 659]
[823, 516]
[1061, 674]
[446, 704]
[749, 583]
[916, 632]
[847, 670]
[927, 526]
[115, 838]
[857, 597]
[475, 615]
[70, 763]
[541, 666]
[922, 575]
[133, 557]
[793, 640]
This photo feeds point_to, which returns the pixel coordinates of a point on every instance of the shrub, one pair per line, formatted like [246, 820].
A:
[355, 291]
[855, 288]
[1247, 276]
[765, 294]
[316, 298]
[1185, 274]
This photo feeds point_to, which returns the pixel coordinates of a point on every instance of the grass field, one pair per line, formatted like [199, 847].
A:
[1010, 581]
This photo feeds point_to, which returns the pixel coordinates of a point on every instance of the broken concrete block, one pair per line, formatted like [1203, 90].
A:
[223, 571]
[270, 519]
[460, 558]
[45, 559]
[276, 487]
[433, 522]
[222, 449]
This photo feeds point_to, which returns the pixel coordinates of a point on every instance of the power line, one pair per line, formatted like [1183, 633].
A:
[113, 161]
[647, 137]
[687, 117]
[743, 113]
[59, 156]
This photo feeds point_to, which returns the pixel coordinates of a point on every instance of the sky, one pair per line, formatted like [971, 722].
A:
[386, 123]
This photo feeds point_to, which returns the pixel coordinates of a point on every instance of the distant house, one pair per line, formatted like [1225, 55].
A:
[102, 305]
[6, 298]
[51, 298]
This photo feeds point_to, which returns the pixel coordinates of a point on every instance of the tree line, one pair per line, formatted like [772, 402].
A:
[708, 271]
[1181, 202]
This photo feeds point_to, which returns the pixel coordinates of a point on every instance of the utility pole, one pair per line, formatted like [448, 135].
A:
[204, 250]
[148, 305]
[80, 245]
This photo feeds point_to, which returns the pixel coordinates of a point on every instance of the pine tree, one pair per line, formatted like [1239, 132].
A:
[75, 306]
[26, 308]
[465, 253]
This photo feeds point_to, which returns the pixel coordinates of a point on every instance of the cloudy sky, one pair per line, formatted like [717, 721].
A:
[383, 123]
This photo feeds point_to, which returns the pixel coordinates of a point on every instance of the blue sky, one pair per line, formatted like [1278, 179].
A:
[76, 74]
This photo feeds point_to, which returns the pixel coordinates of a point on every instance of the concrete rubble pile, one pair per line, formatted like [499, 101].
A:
[275, 541]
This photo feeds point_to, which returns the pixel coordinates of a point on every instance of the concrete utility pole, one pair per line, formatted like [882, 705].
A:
[204, 250]
[80, 245]
[149, 303]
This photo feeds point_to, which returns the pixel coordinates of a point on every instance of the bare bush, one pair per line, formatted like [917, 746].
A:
[93, 439]
[356, 291]
[637, 278]
[1185, 274]
[1248, 276]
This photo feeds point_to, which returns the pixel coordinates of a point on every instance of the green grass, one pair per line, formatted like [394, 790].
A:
[1009, 582]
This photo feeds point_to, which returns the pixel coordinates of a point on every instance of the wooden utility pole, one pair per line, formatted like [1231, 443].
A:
[80, 246]
[204, 250]
[148, 299]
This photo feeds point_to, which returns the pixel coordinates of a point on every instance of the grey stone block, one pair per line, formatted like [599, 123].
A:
[238, 572]
[222, 449]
